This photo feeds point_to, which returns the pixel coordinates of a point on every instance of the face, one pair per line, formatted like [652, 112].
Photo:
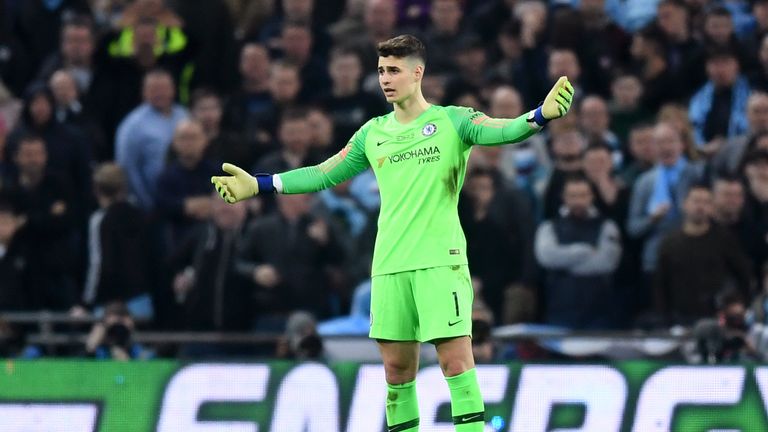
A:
[577, 197]
[626, 91]
[321, 128]
[592, 6]
[719, 28]
[594, 115]
[669, 143]
[757, 171]
[208, 112]
[698, 206]
[760, 12]
[227, 216]
[757, 112]
[597, 162]
[40, 110]
[298, 9]
[284, 84]
[722, 71]
[381, 16]
[293, 205]
[297, 43]
[672, 19]
[189, 142]
[506, 103]
[150, 7]
[346, 71]
[763, 52]
[159, 91]
[144, 37]
[295, 135]
[77, 45]
[480, 189]
[446, 15]
[31, 158]
[568, 144]
[254, 63]
[64, 88]
[399, 78]
[728, 197]
[563, 62]
[9, 223]
[642, 145]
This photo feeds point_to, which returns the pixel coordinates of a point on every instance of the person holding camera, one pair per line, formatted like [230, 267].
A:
[112, 337]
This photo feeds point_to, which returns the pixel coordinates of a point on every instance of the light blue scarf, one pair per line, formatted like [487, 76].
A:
[667, 179]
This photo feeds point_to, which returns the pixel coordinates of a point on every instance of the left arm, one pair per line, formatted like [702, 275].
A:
[477, 128]
[606, 257]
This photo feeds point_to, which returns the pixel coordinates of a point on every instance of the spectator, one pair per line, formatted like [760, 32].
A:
[653, 68]
[525, 162]
[297, 48]
[284, 90]
[304, 11]
[112, 337]
[10, 108]
[119, 259]
[252, 98]
[346, 103]
[726, 338]
[685, 55]
[579, 251]
[37, 24]
[696, 263]
[188, 176]
[223, 145]
[75, 54]
[325, 141]
[211, 293]
[730, 158]
[595, 125]
[14, 65]
[294, 148]
[145, 134]
[642, 150]
[67, 150]
[443, 34]
[358, 322]
[518, 64]
[280, 253]
[611, 196]
[470, 72]
[625, 107]
[719, 32]
[46, 200]
[70, 111]
[657, 196]
[498, 225]
[15, 256]
[677, 116]
[567, 150]
[717, 109]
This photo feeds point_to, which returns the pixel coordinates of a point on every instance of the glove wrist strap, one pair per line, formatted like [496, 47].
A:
[265, 182]
[538, 117]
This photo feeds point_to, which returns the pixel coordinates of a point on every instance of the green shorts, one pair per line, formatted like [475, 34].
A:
[422, 305]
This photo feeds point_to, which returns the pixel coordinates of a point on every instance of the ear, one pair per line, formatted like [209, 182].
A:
[418, 71]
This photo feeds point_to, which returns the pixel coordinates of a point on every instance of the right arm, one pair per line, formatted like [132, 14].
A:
[552, 255]
[342, 166]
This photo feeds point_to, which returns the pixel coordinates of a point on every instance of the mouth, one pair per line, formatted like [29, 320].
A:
[388, 92]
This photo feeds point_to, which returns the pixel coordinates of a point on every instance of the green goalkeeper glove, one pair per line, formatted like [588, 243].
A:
[241, 185]
[556, 104]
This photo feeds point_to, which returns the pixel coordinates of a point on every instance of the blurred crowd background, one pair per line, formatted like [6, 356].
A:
[645, 208]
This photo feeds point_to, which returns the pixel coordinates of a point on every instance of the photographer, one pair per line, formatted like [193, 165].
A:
[111, 338]
[724, 339]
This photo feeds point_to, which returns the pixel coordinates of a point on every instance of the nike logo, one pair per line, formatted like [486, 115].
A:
[471, 418]
[451, 324]
[378, 143]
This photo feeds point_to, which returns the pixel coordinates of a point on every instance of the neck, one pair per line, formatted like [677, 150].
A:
[654, 67]
[695, 228]
[342, 91]
[255, 86]
[411, 108]
[726, 217]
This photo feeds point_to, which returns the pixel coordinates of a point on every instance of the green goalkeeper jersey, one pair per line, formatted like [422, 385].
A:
[419, 167]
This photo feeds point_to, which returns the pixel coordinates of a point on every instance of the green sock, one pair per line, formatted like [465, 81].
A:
[402, 408]
[467, 407]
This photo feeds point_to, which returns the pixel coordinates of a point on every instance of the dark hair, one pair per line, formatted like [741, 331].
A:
[203, 93]
[698, 186]
[109, 180]
[718, 10]
[718, 52]
[159, 71]
[80, 21]
[598, 145]
[294, 113]
[30, 138]
[401, 47]
[343, 51]
[641, 125]
[576, 178]
[755, 156]
[678, 3]
[300, 24]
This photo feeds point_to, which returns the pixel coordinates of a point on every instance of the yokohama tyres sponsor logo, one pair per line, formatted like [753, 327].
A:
[422, 155]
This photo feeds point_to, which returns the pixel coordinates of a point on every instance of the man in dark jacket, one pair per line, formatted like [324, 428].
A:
[579, 251]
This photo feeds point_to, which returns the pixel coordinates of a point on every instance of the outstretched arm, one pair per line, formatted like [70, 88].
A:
[347, 163]
[477, 128]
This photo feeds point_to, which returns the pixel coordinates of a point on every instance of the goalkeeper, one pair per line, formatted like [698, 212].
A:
[421, 288]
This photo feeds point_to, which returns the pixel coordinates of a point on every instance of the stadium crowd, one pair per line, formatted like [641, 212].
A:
[645, 207]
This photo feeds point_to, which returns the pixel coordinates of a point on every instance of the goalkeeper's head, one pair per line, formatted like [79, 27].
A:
[401, 67]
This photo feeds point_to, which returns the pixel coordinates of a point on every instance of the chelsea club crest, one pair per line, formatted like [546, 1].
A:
[429, 129]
